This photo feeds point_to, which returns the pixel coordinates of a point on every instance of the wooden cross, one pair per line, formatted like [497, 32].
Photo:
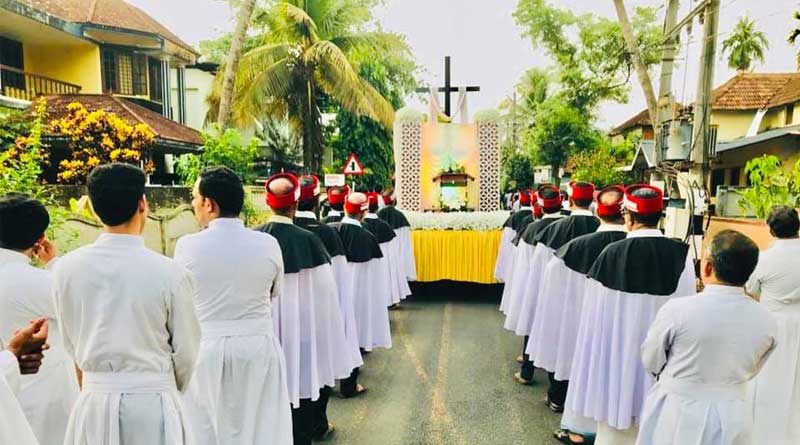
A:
[448, 88]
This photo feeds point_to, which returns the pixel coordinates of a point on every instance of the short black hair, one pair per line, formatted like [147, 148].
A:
[115, 190]
[783, 222]
[225, 187]
[548, 193]
[650, 220]
[734, 257]
[23, 220]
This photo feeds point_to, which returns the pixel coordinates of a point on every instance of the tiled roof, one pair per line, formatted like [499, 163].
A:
[640, 120]
[753, 91]
[161, 126]
[112, 13]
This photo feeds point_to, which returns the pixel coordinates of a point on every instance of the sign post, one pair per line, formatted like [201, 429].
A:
[353, 166]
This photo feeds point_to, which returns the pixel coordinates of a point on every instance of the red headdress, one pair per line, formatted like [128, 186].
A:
[524, 197]
[581, 191]
[644, 206]
[311, 188]
[552, 202]
[356, 203]
[373, 198]
[610, 210]
[338, 195]
[279, 202]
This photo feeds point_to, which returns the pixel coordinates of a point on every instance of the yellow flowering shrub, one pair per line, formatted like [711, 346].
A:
[99, 137]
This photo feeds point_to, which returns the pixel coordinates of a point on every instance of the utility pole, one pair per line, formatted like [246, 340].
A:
[667, 64]
[702, 110]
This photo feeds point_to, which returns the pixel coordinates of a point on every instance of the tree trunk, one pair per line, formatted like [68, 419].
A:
[312, 128]
[232, 64]
[641, 69]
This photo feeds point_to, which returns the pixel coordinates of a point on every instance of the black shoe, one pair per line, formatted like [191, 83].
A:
[563, 437]
[554, 407]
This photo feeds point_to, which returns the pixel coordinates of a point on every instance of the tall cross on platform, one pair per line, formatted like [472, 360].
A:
[448, 88]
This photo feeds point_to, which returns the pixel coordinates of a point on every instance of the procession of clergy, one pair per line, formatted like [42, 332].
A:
[609, 308]
[240, 339]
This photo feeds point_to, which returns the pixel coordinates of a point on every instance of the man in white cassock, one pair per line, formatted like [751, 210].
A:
[561, 300]
[390, 246]
[402, 228]
[370, 291]
[127, 318]
[336, 198]
[306, 218]
[702, 350]
[306, 315]
[776, 282]
[46, 397]
[505, 255]
[580, 222]
[523, 224]
[549, 199]
[22, 356]
[628, 284]
[238, 393]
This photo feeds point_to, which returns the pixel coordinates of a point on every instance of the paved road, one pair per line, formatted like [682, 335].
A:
[447, 380]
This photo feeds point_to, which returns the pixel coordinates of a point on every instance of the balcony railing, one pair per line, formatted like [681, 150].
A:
[26, 86]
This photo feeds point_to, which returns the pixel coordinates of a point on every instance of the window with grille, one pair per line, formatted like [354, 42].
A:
[124, 72]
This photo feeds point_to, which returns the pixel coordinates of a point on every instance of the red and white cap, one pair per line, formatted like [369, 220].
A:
[309, 187]
[388, 196]
[338, 195]
[552, 202]
[583, 190]
[289, 199]
[614, 209]
[537, 209]
[356, 203]
[525, 197]
[373, 198]
[644, 206]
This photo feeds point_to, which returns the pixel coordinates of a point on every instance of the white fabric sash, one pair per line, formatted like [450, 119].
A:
[128, 382]
[237, 328]
[703, 391]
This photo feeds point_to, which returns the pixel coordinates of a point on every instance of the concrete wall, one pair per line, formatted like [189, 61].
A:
[160, 199]
[76, 64]
[732, 124]
[198, 86]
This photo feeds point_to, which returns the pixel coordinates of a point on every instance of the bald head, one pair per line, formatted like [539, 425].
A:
[281, 186]
[611, 198]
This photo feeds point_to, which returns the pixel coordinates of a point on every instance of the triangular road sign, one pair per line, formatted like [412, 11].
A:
[353, 166]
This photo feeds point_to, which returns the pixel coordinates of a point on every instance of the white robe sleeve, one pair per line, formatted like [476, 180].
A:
[183, 327]
[14, 427]
[687, 285]
[277, 285]
[659, 340]
[9, 370]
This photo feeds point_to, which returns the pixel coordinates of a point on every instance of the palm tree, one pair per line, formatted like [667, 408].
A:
[745, 45]
[304, 62]
[232, 64]
[794, 35]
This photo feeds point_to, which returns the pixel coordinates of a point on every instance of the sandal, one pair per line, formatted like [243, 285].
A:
[520, 360]
[554, 407]
[563, 436]
[325, 435]
[360, 391]
[518, 378]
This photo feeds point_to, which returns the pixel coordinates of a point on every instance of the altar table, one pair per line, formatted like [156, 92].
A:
[458, 255]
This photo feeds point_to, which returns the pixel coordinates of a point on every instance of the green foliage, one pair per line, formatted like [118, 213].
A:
[226, 148]
[517, 172]
[601, 165]
[23, 154]
[591, 60]
[770, 184]
[280, 142]
[745, 45]
[560, 131]
[13, 123]
[795, 34]
[216, 50]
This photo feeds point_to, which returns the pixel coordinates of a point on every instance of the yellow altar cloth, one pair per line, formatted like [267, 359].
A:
[458, 255]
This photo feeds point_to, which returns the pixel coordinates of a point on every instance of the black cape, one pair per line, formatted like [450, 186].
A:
[301, 249]
[516, 218]
[381, 229]
[559, 233]
[529, 234]
[360, 245]
[394, 217]
[648, 265]
[332, 219]
[580, 253]
[328, 235]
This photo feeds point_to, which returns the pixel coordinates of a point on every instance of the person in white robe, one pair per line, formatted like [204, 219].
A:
[366, 261]
[628, 284]
[127, 319]
[776, 281]
[23, 355]
[306, 314]
[703, 349]
[508, 266]
[390, 246]
[238, 393]
[561, 298]
[392, 215]
[580, 222]
[46, 397]
[521, 279]
[505, 254]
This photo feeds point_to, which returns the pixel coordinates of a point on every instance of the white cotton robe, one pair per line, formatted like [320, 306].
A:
[14, 427]
[776, 390]
[608, 382]
[505, 255]
[48, 396]
[703, 350]
[128, 320]
[407, 252]
[238, 394]
[391, 249]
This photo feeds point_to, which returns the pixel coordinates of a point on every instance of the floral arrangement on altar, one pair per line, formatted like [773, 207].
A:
[477, 221]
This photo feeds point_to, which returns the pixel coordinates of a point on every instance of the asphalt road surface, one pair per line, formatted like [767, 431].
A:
[446, 380]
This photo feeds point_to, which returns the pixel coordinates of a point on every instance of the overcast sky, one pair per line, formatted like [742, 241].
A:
[488, 49]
